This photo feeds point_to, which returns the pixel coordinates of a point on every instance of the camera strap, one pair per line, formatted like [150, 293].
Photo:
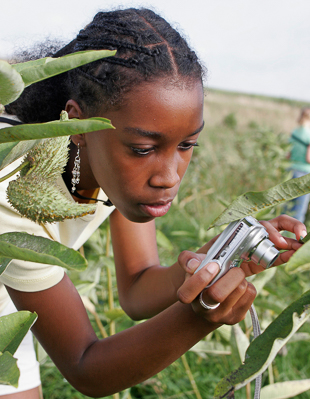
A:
[256, 333]
[9, 121]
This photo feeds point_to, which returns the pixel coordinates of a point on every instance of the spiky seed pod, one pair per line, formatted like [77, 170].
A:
[48, 159]
[41, 201]
[34, 193]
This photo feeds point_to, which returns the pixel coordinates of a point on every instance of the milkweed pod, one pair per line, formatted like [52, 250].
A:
[35, 194]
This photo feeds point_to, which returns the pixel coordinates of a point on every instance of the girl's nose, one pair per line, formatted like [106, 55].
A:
[166, 174]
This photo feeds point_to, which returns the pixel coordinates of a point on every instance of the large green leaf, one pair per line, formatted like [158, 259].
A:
[264, 348]
[239, 344]
[13, 329]
[9, 372]
[252, 202]
[163, 241]
[4, 263]
[11, 83]
[300, 260]
[261, 279]
[211, 347]
[39, 249]
[37, 70]
[285, 390]
[9, 152]
[53, 129]
[113, 314]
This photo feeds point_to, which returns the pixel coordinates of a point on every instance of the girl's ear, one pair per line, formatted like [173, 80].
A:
[74, 111]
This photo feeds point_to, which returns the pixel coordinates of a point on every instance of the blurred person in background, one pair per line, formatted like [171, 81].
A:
[300, 158]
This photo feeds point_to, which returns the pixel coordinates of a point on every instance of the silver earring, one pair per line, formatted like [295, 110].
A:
[76, 170]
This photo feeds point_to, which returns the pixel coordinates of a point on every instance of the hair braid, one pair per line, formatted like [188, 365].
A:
[148, 48]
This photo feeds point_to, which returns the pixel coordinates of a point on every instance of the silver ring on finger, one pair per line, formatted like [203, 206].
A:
[205, 305]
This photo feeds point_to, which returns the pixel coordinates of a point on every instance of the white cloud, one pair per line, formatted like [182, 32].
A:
[254, 46]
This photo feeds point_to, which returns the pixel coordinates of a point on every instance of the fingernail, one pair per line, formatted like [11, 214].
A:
[304, 233]
[283, 241]
[192, 264]
[213, 268]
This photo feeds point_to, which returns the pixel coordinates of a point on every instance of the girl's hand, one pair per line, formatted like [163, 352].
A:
[232, 291]
[288, 245]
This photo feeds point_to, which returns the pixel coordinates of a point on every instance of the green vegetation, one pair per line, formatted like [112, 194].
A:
[13, 80]
[231, 160]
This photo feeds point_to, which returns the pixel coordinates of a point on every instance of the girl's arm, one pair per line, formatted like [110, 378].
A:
[101, 367]
[146, 288]
[308, 154]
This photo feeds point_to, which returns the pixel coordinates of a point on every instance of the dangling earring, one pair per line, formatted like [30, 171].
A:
[76, 170]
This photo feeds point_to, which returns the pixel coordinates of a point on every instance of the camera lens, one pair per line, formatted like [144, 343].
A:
[265, 254]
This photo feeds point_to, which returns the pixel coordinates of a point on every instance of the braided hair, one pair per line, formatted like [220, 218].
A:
[148, 49]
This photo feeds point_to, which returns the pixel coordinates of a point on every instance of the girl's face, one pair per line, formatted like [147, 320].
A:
[141, 163]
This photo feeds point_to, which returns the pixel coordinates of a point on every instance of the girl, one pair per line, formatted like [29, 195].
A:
[152, 92]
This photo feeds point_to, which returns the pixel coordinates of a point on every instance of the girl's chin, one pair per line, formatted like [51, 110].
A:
[145, 213]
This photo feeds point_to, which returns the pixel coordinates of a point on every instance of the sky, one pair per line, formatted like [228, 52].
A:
[251, 46]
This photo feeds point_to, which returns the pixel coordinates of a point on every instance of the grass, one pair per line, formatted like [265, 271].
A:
[242, 148]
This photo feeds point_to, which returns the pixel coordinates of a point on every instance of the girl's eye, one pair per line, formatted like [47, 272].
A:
[141, 151]
[187, 146]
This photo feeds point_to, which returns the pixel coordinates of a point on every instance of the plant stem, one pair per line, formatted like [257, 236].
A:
[191, 377]
[20, 167]
[100, 325]
[248, 390]
[270, 374]
[110, 292]
[109, 276]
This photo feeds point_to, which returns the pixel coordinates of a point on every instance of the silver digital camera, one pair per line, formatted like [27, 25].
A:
[245, 239]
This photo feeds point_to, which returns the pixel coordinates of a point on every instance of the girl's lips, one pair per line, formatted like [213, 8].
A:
[156, 210]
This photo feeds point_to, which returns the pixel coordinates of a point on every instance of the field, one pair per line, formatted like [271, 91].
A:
[243, 147]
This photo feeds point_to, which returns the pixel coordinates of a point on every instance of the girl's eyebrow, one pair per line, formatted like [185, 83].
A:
[146, 133]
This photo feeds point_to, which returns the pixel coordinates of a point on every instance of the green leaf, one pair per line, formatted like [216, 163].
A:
[11, 83]
[9, 152]
[299, 259]
[13, 329]
[284, 390]
[163, 241]
[211, 347]
[4, 263]
[37, 70]
[53, 129]
[251, 202]
[264, 348]
[239, 344]
[39, 249]
[302, 336]
[9, 372]
[259, 280]
[225, 332]
[305, 239]
[113, 314]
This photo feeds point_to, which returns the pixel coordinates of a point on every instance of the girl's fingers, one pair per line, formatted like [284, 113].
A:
[189, 261]
[236, 306]
[218, 292]
[284, 222]
[223, 288]
[273, 227]
[233, 309]
[192, 286]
